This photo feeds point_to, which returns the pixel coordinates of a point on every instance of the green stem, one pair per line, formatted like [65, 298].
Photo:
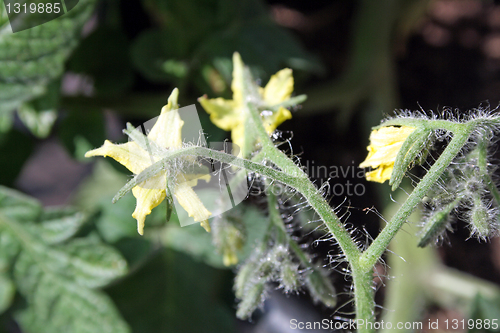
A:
[363, 299]
[362, 270]
[370, 257]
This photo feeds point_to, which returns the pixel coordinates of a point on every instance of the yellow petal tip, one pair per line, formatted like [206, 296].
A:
[140, 228]
[205, 225]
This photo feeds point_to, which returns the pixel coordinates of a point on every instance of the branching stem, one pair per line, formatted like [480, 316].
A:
[273, 164]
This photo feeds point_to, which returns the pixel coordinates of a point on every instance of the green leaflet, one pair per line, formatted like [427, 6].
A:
[55, 272]
[31, 59]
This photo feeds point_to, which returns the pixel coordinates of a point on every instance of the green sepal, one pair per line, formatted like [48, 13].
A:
[414, 144]
[436, 224]
[143, 141]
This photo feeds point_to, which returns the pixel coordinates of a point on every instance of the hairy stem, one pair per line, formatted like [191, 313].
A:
[370, 257]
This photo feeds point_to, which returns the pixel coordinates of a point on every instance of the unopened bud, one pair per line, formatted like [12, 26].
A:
[289, 277]
[321, 288]
[244, 277]
[480, 219]
[436, 224]
[251, 300]
[229, 238]
[266, 268]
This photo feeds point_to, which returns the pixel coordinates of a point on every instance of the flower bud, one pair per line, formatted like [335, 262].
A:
[229, 238]
[289, 276]
[321, 288]
[480, 220]
[251, 300]
[244, 277]
[436, 224]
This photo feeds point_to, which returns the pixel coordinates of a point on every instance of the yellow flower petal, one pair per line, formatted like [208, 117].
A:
[380, 174]
[381, 155]
[166, 132]
[389, 135]
[148, 197]
[279, 88]
[238, 135]
[188, 199]
[128, 154]
[223, 113]
[272, 121]
[238, 79]
[230, 114]
[385, 144]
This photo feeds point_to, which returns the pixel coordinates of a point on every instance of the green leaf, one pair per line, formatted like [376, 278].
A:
[193, 240]
[114, 221]
[32, 58]
[18, 206]
[62, 306]
[104, 181]
[40, 113]
[264, 46]
[56, 274]
[39, 122]
[199, 37]
[57, 225]
[6, 121]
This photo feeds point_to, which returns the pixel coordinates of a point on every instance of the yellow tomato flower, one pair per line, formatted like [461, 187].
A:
[385, 144]
[166, 133]
[229, 114]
